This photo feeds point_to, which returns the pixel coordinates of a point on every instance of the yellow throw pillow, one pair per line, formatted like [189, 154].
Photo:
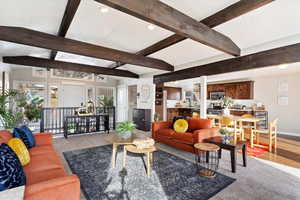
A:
[18, 146]
[181, 126]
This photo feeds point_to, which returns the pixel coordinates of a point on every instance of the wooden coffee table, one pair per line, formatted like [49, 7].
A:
[116, 141]
[147, 151]
[233, 148]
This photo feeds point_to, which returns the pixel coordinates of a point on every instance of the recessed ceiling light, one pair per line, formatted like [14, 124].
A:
[104, 9]
[151, 27]
[283, 66]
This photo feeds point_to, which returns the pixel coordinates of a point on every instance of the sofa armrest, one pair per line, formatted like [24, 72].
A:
[63, 188]
[43, 139]
[159, 125]
[204, 134]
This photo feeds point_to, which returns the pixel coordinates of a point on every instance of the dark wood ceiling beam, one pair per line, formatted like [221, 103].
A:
[273, 57]
[70, 11]
[159, 13]
[231, 12]
[47, 63]
[48, 41]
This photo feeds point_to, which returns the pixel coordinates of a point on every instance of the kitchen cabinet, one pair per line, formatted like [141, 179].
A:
[173, 93]
[237, 90]
[244, 90]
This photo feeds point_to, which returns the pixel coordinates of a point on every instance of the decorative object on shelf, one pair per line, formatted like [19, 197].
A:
[90, 107]
[71, 128]
[226, 137]
[226, 103]
[124, 129]
[156, 117]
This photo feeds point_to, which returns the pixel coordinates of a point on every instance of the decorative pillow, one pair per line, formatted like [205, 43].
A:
[29, 135]
[18, 133]
[11, 171]
[181, 126]
[176, 118]
[20, 149]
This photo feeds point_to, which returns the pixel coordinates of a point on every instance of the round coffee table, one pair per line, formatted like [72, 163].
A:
[207, 159]
[147, 151]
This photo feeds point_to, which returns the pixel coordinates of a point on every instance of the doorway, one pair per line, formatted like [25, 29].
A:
[132, 100]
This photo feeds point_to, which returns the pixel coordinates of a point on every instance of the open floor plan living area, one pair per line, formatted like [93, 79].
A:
[150, 100]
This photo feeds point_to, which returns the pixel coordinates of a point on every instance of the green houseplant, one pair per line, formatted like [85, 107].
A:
[9, 117]
[32, 107]
[226, 137]
[124, 129]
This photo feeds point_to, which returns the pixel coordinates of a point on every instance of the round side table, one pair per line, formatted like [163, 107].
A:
[207, 159]
[147, 151]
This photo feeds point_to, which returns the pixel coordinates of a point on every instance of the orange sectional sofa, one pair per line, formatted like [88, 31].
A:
[46, 177]
[199, 130]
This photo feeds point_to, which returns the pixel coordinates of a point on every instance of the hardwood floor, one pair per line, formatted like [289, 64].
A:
[288, 151]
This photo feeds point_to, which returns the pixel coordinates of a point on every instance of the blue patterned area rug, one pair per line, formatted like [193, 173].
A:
[172, 178]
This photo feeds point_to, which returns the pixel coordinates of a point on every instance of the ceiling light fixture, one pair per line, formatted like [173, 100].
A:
[151, 27]
[104, 9]
[283, 66]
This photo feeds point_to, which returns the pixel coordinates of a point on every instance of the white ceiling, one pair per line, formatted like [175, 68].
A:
[117, 30]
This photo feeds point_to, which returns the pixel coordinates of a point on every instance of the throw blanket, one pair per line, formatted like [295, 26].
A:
[142, 143]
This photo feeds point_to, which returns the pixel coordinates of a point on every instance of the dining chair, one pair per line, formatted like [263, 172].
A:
[271, 132]
[231, 125]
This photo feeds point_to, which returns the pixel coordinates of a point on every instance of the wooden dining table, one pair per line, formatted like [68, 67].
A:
[238, 121]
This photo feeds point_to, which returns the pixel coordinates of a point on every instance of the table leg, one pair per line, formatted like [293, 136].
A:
[124, 156]
[113, 156]
[220, 153]
[207, 156]
[148, 164]
[151, 158]
[233, 160]
[244, 155]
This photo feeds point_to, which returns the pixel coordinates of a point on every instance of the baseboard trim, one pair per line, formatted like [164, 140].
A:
[291, 134]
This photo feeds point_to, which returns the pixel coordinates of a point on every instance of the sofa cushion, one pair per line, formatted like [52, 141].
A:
[29, 135]
[5, 136]
[38, 150]
[18, 133]
[186, 138]
[20, 149]
[11, 171]
[166, 132]
[43, 162]
[196, 124]
[45, 175]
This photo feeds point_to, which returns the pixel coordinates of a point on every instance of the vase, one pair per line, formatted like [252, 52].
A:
[226, 112]
[125, 135]
[226, 139]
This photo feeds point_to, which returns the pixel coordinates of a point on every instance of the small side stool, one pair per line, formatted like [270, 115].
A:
[147, 151]
[207, 159]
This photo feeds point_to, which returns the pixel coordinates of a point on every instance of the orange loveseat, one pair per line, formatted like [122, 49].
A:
[199, 130]
[46, 178]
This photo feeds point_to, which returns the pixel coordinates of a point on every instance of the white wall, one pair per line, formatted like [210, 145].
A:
[266, 91]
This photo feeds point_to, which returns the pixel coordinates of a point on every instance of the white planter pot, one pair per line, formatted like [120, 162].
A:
[126, 135]
[226, 112]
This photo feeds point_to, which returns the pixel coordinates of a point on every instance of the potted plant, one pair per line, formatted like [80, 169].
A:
[226, 137]
[226, 102]
[71, 128]
[124, 129]
[9, 117]
[156, 117]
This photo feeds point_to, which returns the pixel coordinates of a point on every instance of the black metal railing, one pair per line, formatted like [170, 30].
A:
[52, 119]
